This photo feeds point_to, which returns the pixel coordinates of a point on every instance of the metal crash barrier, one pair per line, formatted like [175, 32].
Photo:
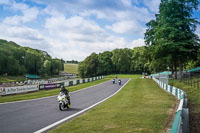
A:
[181, 120]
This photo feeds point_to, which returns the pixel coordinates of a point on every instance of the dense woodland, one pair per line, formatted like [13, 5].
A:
[18, 60]
[170, 40]
[116, 61]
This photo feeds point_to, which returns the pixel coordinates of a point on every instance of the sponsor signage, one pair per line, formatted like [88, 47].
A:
[50, 86]
[17, 89]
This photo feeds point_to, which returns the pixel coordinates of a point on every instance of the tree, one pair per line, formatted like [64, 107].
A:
[172, 34]
[92, 65]
[89, 66]
[17, 60]
[105, 63]
[122, 60]
[82, 69]
[139, 60]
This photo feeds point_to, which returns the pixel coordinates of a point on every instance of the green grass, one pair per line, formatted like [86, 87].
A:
[71, 68]
[45, 93]
[193, 95]
[5, 79]
[141, 106]
[124, 76]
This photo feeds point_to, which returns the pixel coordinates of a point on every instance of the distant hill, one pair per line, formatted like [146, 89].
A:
[71, 68]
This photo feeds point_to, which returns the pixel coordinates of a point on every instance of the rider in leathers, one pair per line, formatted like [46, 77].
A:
[66, 92]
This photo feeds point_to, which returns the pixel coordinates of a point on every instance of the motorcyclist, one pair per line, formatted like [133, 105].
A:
[66, 92]
[119, 81]
[113, 81]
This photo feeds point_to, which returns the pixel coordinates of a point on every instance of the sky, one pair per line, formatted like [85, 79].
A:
[73, 29]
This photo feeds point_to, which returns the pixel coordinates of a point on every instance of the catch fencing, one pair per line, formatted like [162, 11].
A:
[181, 120]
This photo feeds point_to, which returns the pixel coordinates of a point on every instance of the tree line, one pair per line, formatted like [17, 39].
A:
[72, 62]
[18, 60]
[171, 44]
[116, 61]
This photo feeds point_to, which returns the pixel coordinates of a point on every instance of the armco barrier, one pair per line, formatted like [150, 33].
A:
[181, 120]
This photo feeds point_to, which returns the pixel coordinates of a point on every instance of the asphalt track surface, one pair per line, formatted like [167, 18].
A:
[31, 116]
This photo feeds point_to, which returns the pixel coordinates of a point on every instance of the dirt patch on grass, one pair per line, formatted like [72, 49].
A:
[109, 126]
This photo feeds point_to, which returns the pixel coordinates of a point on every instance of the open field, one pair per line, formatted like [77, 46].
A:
[141, 106]
[124, 76]
[45, 93]
[193, 95]
[71, 68]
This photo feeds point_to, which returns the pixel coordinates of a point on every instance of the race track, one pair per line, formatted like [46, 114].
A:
[33, 115]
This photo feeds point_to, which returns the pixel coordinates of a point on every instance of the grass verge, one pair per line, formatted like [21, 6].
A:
[141, 106]
[193, 95]
[45, 93]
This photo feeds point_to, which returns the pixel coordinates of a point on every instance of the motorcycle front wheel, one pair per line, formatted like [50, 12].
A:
[61, 106]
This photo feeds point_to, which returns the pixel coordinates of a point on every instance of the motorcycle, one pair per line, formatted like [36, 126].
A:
[63, 101]
[119, 82]
[113, 81]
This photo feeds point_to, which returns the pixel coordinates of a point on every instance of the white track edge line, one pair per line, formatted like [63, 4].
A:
[52, 96]
[71, 116]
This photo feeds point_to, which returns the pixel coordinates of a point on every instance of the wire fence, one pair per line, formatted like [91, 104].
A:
[193, 82]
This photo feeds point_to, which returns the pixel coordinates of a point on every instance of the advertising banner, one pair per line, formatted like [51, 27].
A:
[50, 86]
[17, 89]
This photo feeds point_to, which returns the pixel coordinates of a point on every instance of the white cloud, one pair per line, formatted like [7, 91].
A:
[137, 43]
[73, 29]
[126, 3]
[23, 35]
[28, 13]
[5, 2]
[127, 27]
[153, 5]
[80, 36]
[135, 13]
